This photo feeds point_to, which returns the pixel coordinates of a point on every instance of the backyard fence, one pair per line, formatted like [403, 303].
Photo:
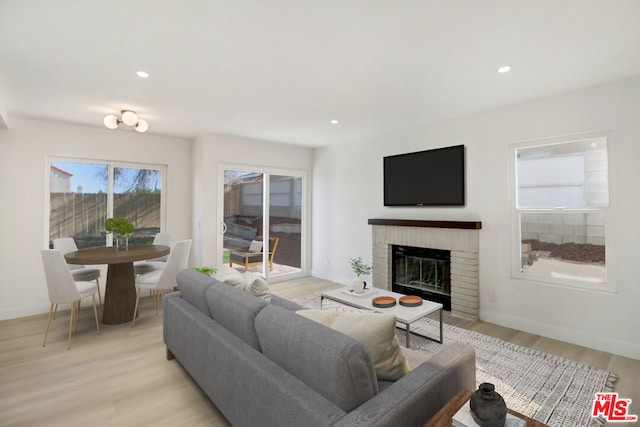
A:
[82, 216]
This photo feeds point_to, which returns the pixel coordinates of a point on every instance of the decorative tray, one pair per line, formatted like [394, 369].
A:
[364, 293]
[383, 302]
[410, 301]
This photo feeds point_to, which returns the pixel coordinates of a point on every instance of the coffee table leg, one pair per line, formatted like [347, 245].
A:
[441, 340]
[407, 338]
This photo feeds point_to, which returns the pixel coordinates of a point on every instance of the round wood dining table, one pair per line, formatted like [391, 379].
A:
[120, 292]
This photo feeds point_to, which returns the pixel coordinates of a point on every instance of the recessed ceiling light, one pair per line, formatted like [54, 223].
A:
[142, 74]
[334, 122]
[504, 69]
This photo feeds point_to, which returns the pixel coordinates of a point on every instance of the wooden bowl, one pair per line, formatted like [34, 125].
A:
[383, 302]
[410, 301]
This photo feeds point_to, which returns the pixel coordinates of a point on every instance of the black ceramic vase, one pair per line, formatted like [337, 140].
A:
[487, 406]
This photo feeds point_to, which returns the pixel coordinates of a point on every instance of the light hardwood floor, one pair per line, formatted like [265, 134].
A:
[122, 378]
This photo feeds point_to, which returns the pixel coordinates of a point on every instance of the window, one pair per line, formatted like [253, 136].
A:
[84, 193]
[560, 212]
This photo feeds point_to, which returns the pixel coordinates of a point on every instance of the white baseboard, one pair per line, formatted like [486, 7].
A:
[622, 348]
[15, 313]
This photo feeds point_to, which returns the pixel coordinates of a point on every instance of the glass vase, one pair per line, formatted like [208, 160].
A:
[122, 243]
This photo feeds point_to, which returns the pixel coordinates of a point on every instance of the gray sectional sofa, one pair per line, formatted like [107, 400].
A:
[262, 364]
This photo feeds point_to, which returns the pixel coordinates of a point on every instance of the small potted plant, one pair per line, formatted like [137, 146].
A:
[359, 269]
[208, 271]
[121, 228]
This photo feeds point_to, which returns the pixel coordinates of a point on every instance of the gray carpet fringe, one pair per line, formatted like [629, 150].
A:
[554, 390]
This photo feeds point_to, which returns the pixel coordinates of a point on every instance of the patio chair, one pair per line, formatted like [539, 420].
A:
[253, 256]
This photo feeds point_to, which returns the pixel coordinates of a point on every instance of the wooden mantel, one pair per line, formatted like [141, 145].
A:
[464, 225]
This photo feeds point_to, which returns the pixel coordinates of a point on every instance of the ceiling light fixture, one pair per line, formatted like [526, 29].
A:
[129, 118]
[504, 69]
[334, 122]
[142, 74]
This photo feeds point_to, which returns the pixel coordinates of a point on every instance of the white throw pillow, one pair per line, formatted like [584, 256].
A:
[376, 331]
[255, 246]
[248, 282]
[230, 276]
[330, 305]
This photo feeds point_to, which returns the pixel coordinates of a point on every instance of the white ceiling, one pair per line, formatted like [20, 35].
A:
[280, 70]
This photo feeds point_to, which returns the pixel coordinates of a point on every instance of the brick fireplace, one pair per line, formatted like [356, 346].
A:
[458, 237]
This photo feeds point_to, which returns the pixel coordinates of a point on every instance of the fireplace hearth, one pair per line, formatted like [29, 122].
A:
[424, 272]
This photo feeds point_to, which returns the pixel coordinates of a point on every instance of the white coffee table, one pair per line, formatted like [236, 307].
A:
[404, 315]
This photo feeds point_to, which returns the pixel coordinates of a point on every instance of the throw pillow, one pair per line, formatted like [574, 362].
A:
[257, 286]
[248, 282]
[375, 330]
[230, 276]
[330, 305]
[255, 246]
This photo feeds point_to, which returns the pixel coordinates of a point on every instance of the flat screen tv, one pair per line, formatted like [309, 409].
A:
[425, 178]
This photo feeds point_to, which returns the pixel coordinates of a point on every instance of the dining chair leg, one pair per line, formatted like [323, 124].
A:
[135, 309]
[99, 297]
[95, 312]
[46, 331]
[73, 308]
[55, 310]
[77, 314]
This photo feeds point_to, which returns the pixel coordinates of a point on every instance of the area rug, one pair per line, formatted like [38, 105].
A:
[551, 389]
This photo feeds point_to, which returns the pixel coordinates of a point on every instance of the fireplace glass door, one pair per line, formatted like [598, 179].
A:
[422, 271]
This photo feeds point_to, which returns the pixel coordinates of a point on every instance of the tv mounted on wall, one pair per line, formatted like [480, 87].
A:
[425, 178]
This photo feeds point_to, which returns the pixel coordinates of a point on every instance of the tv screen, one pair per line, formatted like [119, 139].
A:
[425, 178]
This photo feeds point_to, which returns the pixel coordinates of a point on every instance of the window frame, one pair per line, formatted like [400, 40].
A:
[609, 284]
[111, 165]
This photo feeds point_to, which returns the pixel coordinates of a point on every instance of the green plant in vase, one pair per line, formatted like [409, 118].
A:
[121, 228]
[359, 268]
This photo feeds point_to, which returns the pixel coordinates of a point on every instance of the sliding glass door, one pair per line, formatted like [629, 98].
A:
[262, 228]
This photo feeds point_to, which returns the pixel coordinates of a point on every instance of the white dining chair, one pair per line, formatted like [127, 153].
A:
[160, 281]
[147, 266]
[79, 272]
[64, 290]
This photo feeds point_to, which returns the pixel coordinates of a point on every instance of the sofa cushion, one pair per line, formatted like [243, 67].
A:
[236, 310]
[336, 366]
[193, 286]
[375, 330]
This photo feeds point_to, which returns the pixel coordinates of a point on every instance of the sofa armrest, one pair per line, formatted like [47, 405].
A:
[419, 395]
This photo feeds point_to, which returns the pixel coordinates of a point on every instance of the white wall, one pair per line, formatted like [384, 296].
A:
[24, 149]
[347, 183]
[212, 151]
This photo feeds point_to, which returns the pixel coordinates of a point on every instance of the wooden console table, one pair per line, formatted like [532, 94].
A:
[444, 415]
